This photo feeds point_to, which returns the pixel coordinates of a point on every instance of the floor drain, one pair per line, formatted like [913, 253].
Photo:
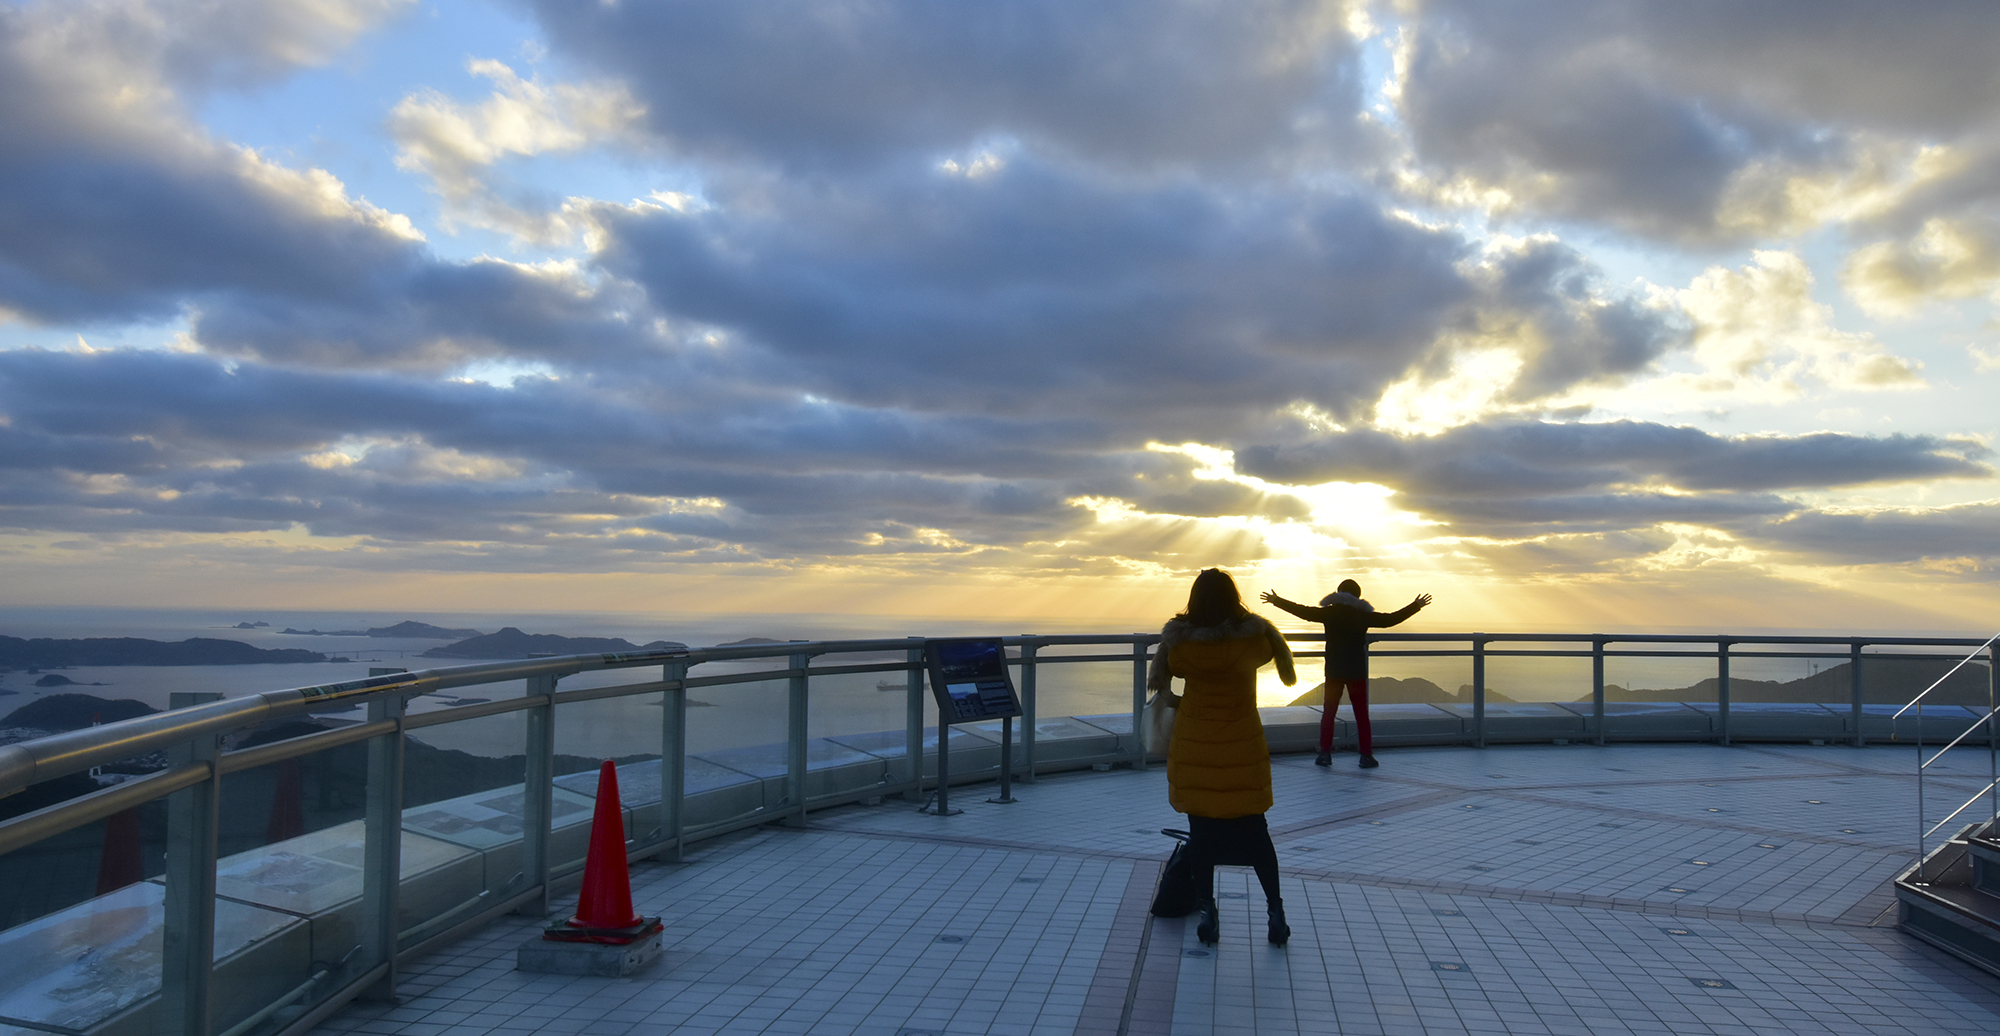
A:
[951, 938]
[1448, 965]
[1677, 890]
[1712, 983]
[1196, 953]
[1676, 931]
[1232, 895]
[1447, 913]
[1027, 881]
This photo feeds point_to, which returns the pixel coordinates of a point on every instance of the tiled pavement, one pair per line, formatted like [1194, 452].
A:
[1528, 889]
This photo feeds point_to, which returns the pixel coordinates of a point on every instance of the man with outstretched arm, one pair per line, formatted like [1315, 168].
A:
[1347, 619]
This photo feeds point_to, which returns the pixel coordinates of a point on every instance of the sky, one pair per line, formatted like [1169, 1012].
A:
[1577, 314]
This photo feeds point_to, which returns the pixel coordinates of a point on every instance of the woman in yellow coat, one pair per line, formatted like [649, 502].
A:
[1218, 765]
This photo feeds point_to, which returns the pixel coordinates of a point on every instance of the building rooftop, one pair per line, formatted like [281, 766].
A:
[1639, 888]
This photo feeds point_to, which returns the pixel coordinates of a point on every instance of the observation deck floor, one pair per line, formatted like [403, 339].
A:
[1654, 888]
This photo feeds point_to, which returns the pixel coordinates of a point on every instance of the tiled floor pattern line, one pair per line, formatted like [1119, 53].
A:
[1030, 920]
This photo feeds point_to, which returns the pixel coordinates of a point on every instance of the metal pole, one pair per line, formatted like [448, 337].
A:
[1006, 762]
[795, 744]
[1028, 648]
[1993, 735]
[1722, 689]
[1854, 678]
[673, 759]
[1479, 690]
[538, 793]
[382, 845]
[944, 767]
[188, 950]
[1597, 687]
[913, 720]
[1139, 700]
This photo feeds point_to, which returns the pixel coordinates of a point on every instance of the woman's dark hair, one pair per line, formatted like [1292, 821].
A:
[1213, 600]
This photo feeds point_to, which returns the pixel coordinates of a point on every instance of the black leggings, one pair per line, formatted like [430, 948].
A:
[1237, 841]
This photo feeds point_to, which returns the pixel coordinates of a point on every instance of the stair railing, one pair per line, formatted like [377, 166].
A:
[1991, 721]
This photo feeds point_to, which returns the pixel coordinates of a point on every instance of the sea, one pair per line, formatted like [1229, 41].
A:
[735, 715]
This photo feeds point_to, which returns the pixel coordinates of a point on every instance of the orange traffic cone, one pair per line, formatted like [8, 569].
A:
[604, 910]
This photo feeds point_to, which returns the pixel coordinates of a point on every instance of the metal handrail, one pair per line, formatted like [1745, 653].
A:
[1991, 721]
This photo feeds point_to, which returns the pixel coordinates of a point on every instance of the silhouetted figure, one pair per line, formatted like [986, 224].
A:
[1347, 619]
[1218, 764]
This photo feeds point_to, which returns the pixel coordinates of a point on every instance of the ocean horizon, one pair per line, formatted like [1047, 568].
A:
[746, 713]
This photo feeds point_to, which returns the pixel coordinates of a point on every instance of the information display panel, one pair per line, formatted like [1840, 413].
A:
[970, 680]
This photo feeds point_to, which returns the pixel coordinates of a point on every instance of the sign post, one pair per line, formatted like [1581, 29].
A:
[969, 679]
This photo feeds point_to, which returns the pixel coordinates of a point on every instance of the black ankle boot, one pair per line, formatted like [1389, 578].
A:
[1281, 933]
[1209, 928]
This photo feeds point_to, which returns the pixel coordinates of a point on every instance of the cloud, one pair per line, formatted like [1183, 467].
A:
[1947, 259]
[1709, 123]
[120, 209]
[1759, 332]
[1889, 535]
[1519, 478]
[455, 146]
[1131, 83]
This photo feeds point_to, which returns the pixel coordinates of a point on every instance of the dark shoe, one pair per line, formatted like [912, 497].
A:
[1368, 762]
[1210, 927]
[1323, 759]
[1281, 933]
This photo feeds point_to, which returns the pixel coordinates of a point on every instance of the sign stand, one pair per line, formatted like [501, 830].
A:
[969, 679]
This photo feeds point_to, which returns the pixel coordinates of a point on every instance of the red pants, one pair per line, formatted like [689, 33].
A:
[1358, 691]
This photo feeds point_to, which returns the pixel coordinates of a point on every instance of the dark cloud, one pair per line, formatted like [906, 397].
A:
[1132, 82]
[1034, 291]
[1515, 457]
[1964, 532]
[1639, 114]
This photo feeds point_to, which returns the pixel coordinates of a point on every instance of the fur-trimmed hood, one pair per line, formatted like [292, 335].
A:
[1180, 631]
[1345, 600]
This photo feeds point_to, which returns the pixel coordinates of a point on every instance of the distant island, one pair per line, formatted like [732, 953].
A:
[60, 712]
[405, 630]
[1884, 680]
[252, 626]
[512, 643]
[50, 653]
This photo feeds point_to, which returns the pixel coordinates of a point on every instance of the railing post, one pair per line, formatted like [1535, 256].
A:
[188, 952]
[1028, 649]
[1139, 699]
[795, 744]
[913, 724]
[1722, 689]
[538, 793]
[382, 844]
[1993, 729]
[673, 760]
[1854, 678]
[1479, 690]
[1597, 687]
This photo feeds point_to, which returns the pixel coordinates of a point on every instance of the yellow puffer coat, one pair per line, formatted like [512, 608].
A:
[1218, 764]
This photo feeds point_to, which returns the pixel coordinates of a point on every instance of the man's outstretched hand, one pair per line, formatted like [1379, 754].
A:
[1269, 597]
[1423, 601]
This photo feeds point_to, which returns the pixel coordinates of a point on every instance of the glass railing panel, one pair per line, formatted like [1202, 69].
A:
[1656, 691]
[291, 850]
[1079, 688]
[1537, 697]
[736, 732]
